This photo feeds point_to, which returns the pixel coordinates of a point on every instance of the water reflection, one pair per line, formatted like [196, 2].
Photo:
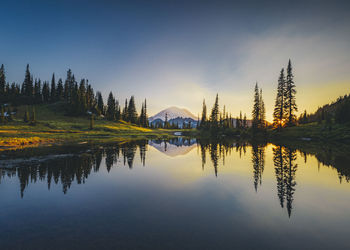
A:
[77, 165]
[285, 169]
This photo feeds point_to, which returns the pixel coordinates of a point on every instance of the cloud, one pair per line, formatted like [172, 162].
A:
[172, 71]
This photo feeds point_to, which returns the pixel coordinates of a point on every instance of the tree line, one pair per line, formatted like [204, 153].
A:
[78, 98]
[220, 120]
[283, 115]
[335, 112]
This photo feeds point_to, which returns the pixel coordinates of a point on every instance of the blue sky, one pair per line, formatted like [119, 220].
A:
[175, 53]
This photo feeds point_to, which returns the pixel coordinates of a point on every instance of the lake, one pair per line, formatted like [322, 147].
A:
[178, 194]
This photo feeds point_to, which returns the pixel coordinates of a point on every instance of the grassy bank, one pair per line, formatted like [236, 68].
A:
[313, 132]
[52, 126]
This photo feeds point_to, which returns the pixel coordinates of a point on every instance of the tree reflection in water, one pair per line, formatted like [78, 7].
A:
[79, 164]
[285, 170]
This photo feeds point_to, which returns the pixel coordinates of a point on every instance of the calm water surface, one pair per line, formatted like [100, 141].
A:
[181, 194]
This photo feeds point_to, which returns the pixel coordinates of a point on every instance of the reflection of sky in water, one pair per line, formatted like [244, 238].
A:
[174, 202]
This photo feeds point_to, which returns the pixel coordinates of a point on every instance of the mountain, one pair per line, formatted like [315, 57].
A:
[173, 112]
[178, 146]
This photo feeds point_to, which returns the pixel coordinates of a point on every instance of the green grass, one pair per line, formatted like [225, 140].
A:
[315, 132]
[53, 124]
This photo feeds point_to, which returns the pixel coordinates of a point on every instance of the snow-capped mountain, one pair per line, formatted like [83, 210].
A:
[178, 146]
[173, 112]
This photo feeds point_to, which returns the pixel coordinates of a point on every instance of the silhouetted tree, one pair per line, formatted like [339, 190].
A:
[2, 83]
[110, 113]
[28, 85]
[279, 113]
[132, 113]
[100, 104]
[214, 117]
[53, 93]
[46, 92]
[204, 116]
[59, 91]
[290, 104]
[256, 108]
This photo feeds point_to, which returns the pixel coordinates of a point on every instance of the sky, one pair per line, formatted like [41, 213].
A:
[175, 53]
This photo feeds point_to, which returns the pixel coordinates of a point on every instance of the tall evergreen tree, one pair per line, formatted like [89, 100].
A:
[125, 111]
[241, 119]
[141, 116]
[132, 113]
[256, 108]
[82, 101]
[110, 113]
[2, 82]
[37, 91]
[214, 117]
[53, 89]
[145, 116]
[69, 86]
[100, 104]
[290, 92]
[59, 91]
[278, 113]
[28, 85]
[262, 112]
[245, 124]
[204, 115]
[46, 92]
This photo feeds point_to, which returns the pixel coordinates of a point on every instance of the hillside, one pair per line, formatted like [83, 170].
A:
[53, 126]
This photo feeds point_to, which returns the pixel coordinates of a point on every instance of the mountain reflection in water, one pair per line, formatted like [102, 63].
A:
[76, 164]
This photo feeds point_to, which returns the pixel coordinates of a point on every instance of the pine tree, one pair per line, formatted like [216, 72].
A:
[240, 120]
[214, 117]
[256, 108]
[37, 91]
[110, 113]
[290, 91]
[90, 96]
[100, 104]
[238, 123]
[245, 124]
[2, 83]
[262, 112]
[204, 115]
[278, 113]
[46, 92]
[59, 91]
[141, 116]
[69, 86]
[28, 85]
[82, 97]
[125, 111]
[132, 113]
[145, 116]
[53, 89]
